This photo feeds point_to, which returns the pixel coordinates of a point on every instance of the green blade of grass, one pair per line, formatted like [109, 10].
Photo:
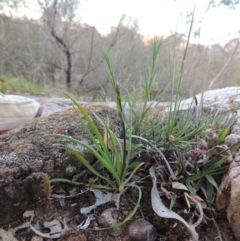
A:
[117, 147]
[131, 214]
[190, 188]
[223, 134]
[208, 172]
[89, 166]
[213, 164]
[104, 160]
[91, 124]
[96, 186]
[212, 181]
[66, 181]
[199, 184]
[210, 191]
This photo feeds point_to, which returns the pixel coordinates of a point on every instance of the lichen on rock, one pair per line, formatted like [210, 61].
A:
[26, 152]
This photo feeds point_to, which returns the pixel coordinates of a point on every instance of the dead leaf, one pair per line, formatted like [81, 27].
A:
[161, 210]
[101, 198]
[6, 236]
[26, 214]
[166, 192]
[51, 230]
[232, 106]
[178, 185]
[84, 224]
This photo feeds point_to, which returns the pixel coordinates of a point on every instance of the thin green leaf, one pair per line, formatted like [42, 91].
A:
[210, 192]
[213, 164]
[117, 148]
[211, 180]
[190, 188]
[93, 170]
[104, 160]
[66, 181]
[173, 200]
[223, 134]
[199, 184]
[131, 214]
[91, 124]
[208, 172]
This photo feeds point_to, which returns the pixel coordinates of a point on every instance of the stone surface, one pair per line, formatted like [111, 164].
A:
[142, 230]
[109, 218]
[218, 98]
[228, 195]
[26, 153]
[213, 99]
[16, 110]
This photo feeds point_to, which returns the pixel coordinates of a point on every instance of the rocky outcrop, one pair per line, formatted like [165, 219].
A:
[26, 153]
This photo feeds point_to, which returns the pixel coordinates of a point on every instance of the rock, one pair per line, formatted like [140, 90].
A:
[16, 110]
[228, 196]
[218, 99]
[53, 104]
[142, 230]
[107, 219]
[26, 153]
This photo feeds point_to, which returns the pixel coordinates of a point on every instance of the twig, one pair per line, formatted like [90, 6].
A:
[218, 230]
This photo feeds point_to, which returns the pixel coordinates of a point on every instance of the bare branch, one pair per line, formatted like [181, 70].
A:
[230, 58]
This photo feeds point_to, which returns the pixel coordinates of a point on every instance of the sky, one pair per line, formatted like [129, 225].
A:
[163, 17]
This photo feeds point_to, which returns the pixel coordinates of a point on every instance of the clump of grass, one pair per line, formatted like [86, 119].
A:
[113, 157]
[174, 141]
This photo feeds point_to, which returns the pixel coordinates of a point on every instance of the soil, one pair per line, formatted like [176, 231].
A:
[167, 229]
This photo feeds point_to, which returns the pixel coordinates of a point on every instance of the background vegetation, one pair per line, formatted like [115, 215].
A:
[59, 52]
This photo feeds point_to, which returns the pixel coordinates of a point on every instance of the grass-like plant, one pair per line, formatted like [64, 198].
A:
[106, 147]
[138, 107]
[215, 163]
[113, 158]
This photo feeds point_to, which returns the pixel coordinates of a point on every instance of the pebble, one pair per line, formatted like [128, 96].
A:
[142, 230]
[108, 218]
